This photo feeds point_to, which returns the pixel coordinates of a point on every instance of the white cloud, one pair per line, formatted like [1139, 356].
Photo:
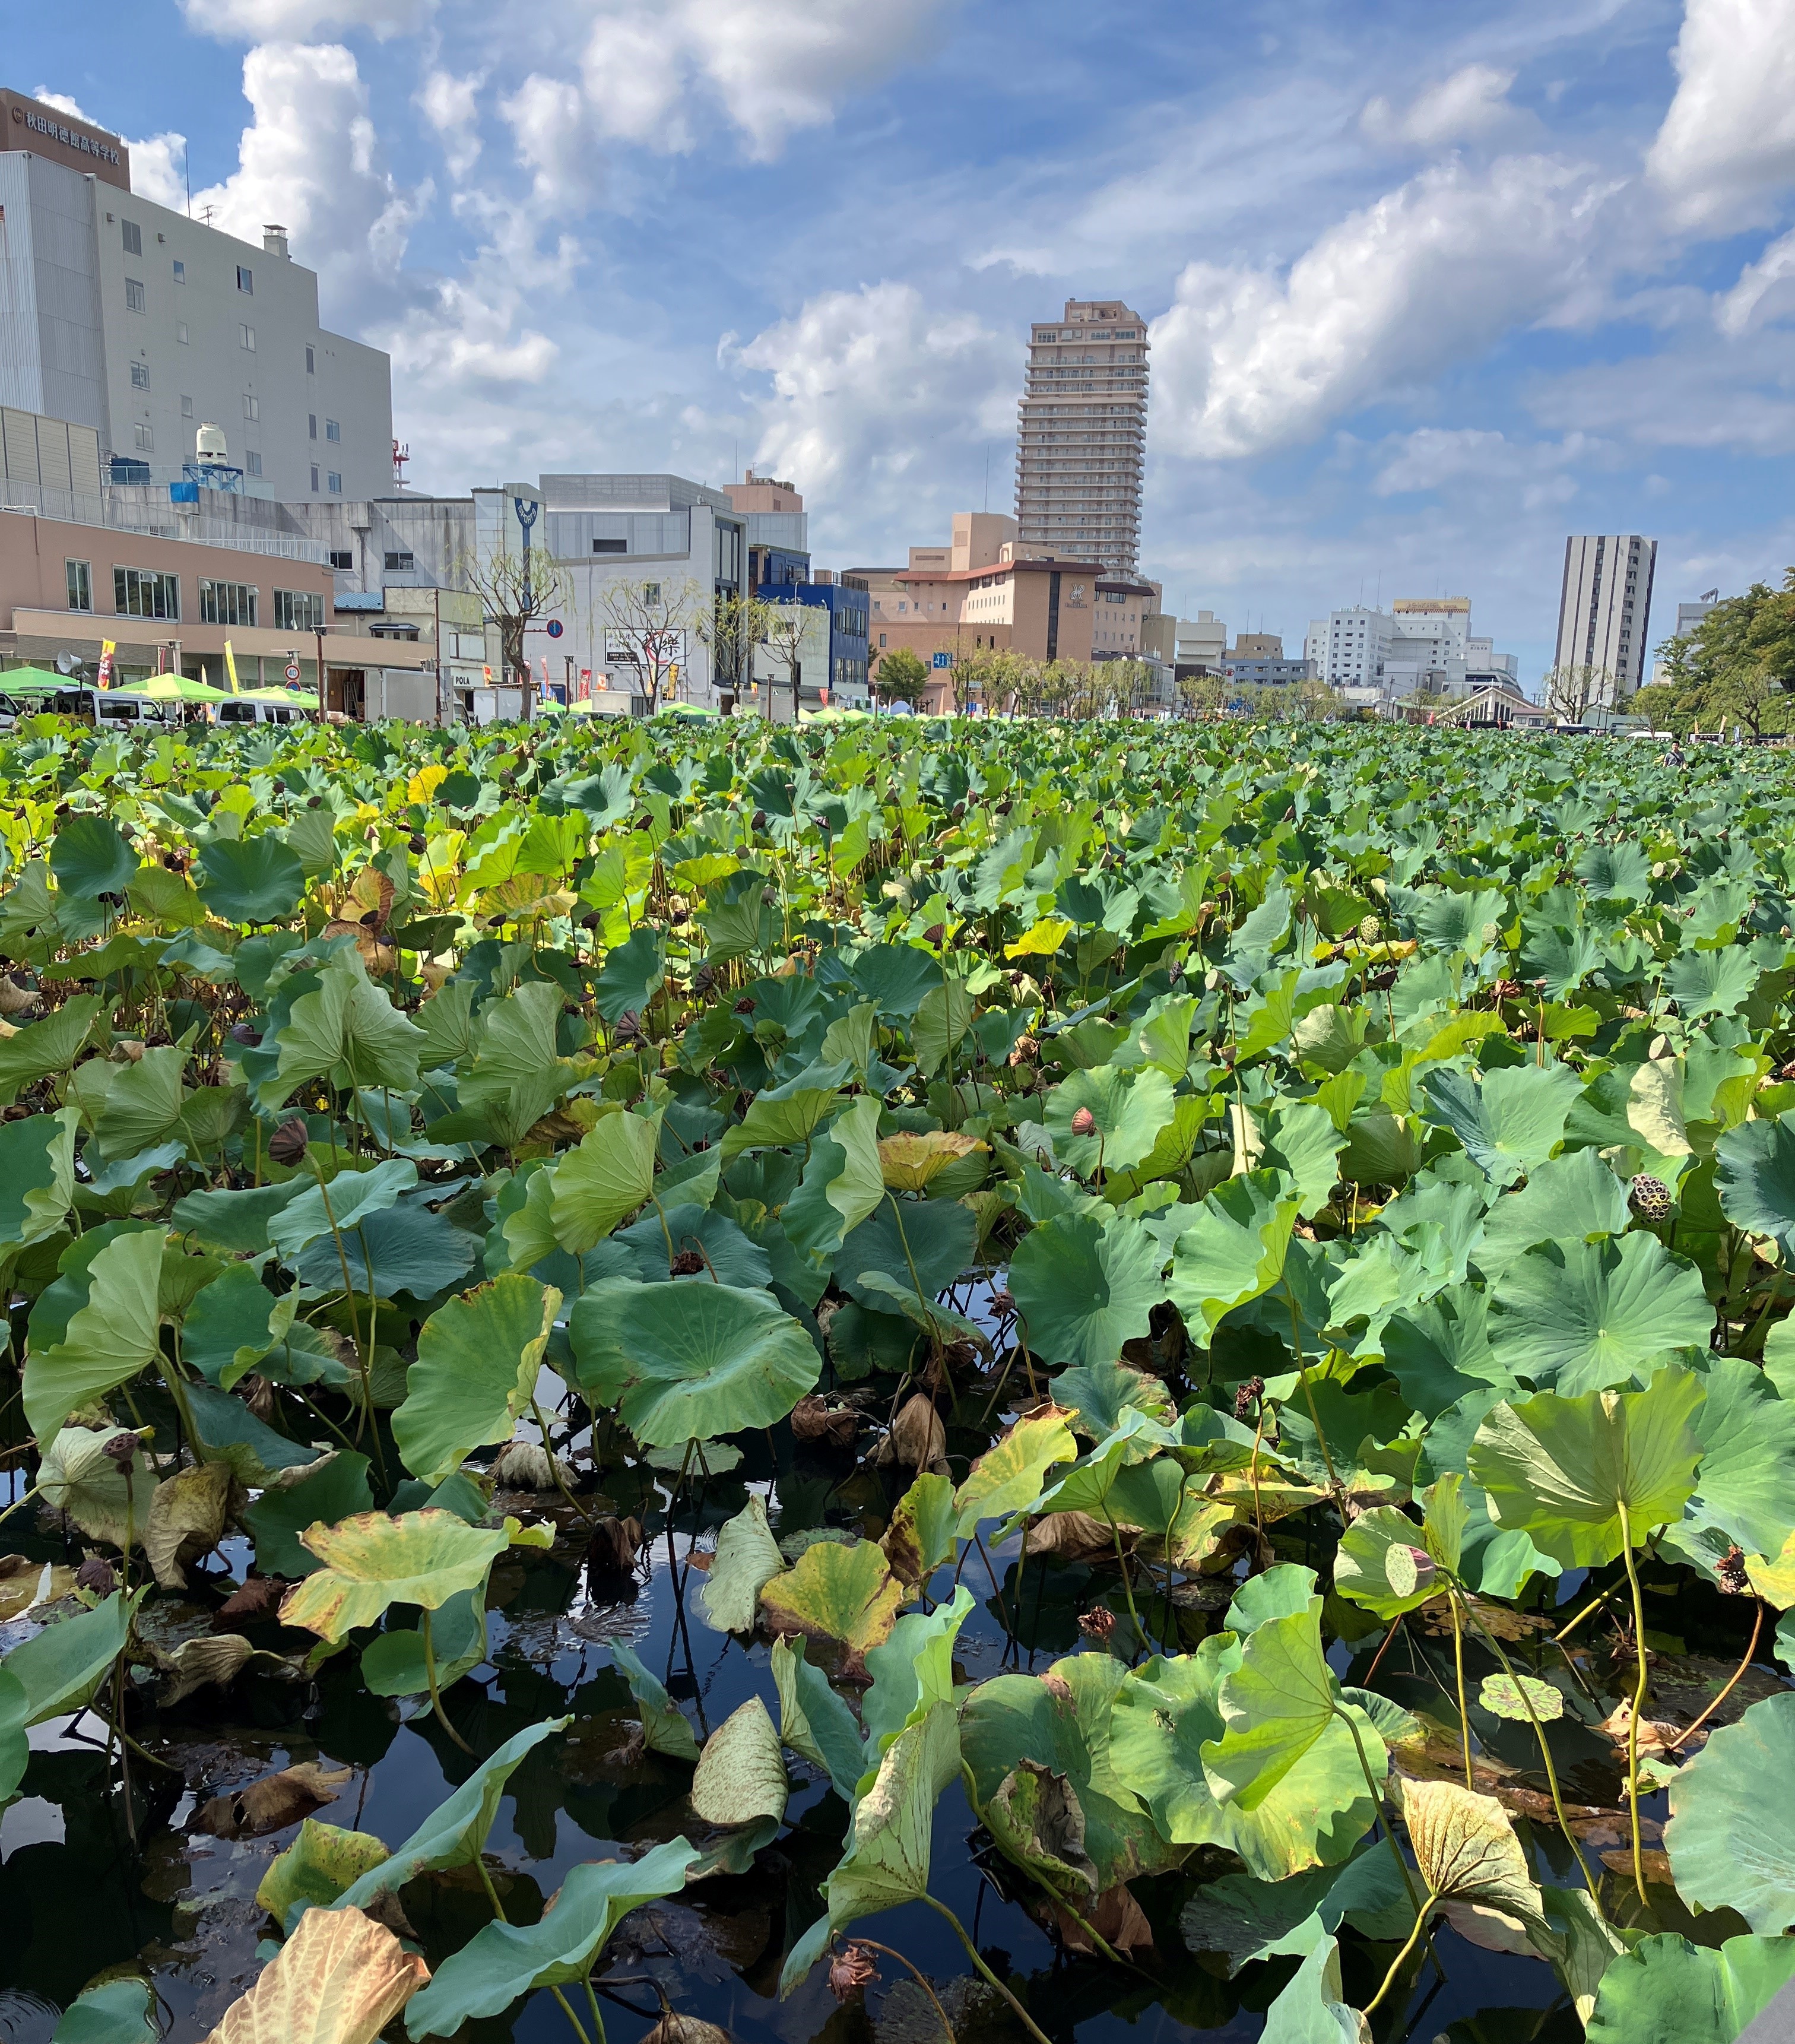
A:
[1766, 289]
[1728, 140]
[1470, 104]
[282, 20]
[880, 403]
[311, 159]
[1246, 360]
[1485, 462]
[776, 66]
[551, 125]
[158, 163]
[451, 107]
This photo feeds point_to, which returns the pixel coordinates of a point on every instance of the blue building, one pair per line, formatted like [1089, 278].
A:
[848, 619]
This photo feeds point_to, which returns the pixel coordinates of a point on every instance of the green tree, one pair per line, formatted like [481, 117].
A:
[898, 675]
[1738, 664]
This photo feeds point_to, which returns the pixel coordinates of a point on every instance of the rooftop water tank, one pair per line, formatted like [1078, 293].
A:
[209, 444]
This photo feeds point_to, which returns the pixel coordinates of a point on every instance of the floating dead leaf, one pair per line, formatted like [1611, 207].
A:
[615, 1544]
[1656, 1864]
[674, 2028]
[196, 1662]
[1488, 1928]
[1118, 1919]
[1074, 1536]
[340, 1979]
[258, 1598]
[25, 1583]
[1655, 1734]
[271, 1804]
[1497, 1620]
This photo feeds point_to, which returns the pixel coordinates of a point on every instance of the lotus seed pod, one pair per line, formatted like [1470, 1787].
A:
[1649, 1197]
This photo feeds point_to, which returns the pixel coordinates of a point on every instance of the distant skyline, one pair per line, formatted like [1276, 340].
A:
[1428, 288]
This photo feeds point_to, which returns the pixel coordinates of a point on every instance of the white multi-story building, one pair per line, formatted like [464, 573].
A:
[1351, 649]
[1202, 641]
[1423, 642]
[1081, 433]
[1604, 610]
[122, 315]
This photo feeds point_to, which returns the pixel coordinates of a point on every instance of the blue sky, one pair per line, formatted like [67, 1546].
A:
[1429, 286]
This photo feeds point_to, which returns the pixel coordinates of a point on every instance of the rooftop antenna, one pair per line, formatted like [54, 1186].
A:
[206, 213]
[187, 172]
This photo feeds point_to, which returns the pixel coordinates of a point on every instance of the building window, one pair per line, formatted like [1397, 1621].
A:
[252, 462]
[246, 279]
[186, 408]
[401, 561]
[252, 406]
[340, 558]
[143, 593]
[180, 270]
[314, 475]
[311, 425]
[651, 592]
[132, 235]
[610, 546]
[144, 436]
[80, 585]
[881, 638]
[133, 295]
[227, 602]
[300, 610]
[311, 361]
[333, 431]
[181, 332]
[335, 481]
[247, 335]
[140, 376]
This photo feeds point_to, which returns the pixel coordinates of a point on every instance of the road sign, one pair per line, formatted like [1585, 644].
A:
[942, 660]
[556, 628]
[292, 670]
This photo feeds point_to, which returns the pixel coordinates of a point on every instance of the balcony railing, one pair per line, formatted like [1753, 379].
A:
[70, 507]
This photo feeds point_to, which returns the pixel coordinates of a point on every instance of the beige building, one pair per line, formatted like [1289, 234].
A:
[761, 492]
[1082, 434]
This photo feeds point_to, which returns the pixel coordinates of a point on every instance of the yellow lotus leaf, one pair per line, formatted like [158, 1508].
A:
[340, 1979]
[907, 1163]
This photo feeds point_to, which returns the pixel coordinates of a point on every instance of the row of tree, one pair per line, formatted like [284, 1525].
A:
[1736, 666]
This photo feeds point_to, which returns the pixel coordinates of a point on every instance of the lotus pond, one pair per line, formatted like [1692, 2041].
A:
[895, 1381]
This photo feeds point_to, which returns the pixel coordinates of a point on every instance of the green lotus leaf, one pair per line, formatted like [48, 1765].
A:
[250, 879]
[1360, 1568]
[1311, 2010]
[324, 1493]
[317, 1868]
[708, 1360]
[89, 858]
[746, 1556]
[1127, 1109]
[633, 973]
[15, 1745]
[478, 1358]
[61, 1668]
[236, 1222]
[42, 1049]
[1439, 1352]
[665, 1728]
[887, 1857]
[1302, 1141]
[112, 1337]
[399, 1250]
[1565, 1471]
[814, 1721]
[1065, 1724]
[843, 1183]
[1083, 1290]
[1509, 1696]
[37, 1178]
[1567, 1199]
[1754, 1179]
[603, 1181]
[1234, 1251]
[1579, 1942]
[349, 1032]
[924, 1243]
[1667, 1991]
[914, 1669]
[325, 1211]
[454, 1832]
[1711, 982]
[1009, 1477]
[226, 1430]
[1286, 1590]
[506, 1961]
[741, 1777]
[836, 1592]
[371, 1562]
[1581, 1316]
[789, 1115]
[394, 1663]
[1511, 1123]
[1731, 1833]
[1745, 1486]
[120, 2011]
[142, 1104]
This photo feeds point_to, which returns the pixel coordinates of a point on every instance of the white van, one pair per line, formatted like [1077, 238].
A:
[117, 710]
[241, 709]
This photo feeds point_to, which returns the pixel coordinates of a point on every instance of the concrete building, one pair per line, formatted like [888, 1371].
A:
[1689, 616]
[1604, 610]
[834, 666]
[1081, 434]
[1423, 646]
[1201, 644]
[1263, 670]
[134, 320]
[778, 530]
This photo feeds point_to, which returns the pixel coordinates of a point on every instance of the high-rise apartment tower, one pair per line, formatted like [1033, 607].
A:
[1605, 607]
[1081, 434]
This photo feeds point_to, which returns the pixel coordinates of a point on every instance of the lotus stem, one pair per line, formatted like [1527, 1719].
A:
[1639, 1703]
[1690, 1731]
[1459, 1664]
[1127, 1588]
[554, 1466]
[436, 1694]
[1377, 1803]
[972, 1953]
[597, 2013]
[1401, 1958]
[921, 1979]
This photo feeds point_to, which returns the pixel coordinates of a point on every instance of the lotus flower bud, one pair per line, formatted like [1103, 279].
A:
[1084, 1122]
[290, 1142]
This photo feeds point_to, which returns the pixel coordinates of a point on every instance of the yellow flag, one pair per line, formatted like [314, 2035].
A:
[108, 647]
[231, 666]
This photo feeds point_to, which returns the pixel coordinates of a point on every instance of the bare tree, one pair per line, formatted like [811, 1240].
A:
[730, 630]
[514, 590]
[1572, 692]
[647, 625]
[787, 625]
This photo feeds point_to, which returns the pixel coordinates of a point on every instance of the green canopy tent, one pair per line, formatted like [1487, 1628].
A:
[35, 681]
[179, 688]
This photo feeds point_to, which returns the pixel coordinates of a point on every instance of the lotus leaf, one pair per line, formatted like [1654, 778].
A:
[845, 1594]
